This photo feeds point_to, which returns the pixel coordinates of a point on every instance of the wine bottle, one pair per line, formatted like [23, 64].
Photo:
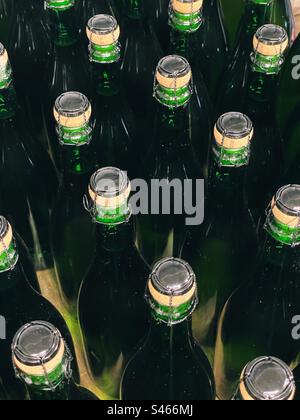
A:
[29, 52]
[114, 126]
[232, 17]
[220, 253]
[19, 304]
[199, 32]
[67, 69]
[43, 362]
[266, 379]
[169, 364]
[282, 15]
[141, 55]
[28, 180]
[257, 319]
[112, 311]
[160, 234]
[70, 221]
[288, 104]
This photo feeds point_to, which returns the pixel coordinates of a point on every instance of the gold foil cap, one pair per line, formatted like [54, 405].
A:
[270, 40]
[109, 188]
[267, 379]
[6, 235]
[285, 206]
[38, 349]
[173, 72]
[187, 7]
[172, 283]
[233, 131]
[103, 30]
[72, 110]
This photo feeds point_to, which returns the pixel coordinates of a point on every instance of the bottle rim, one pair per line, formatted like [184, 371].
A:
[72, 104]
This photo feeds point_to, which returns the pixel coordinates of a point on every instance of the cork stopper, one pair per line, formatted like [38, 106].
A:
[187, 7]
[72, 110]
[173, 72]
[270, 40]
[38, 349]
[6, 235]
[109, 188]
[172, 283]
[103, 30]
[233, 131]
[286, 206]
[267, 379]
[4, 60]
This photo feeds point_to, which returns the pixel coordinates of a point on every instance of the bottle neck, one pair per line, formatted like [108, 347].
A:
[8, 101]
[115, 238]
[60, 393]
[106, 78]
[256, 14]
[77, 161]
[64, 28]
[176, 335]
[186, 23]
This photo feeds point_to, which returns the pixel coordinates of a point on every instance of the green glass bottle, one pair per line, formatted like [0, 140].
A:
[27, 177]
[169, 364]
[265, 169]
[257, 319]
[141, 54]
[112, 311]
[266, 379]
[235, 84]
[6, 20]
[197, 33]
[232, 17]
[158, 15]
[29, 51]
[221, 249]
[172, 158]
[282, 15]
[43, 362]
[19, 304]
[70, 221]
[67, 69]
[114, 126]
[288, 104]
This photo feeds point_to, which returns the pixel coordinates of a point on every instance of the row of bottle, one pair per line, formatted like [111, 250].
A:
[167, 365]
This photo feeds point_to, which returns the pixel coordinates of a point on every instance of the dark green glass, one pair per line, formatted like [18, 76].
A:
[266, 379]
[232, 17]
[35, 346]
[169, 364]
[112, 311]
[114, 123]
[6, 20]
[73, 235]
[29, 51]
[19, 304]
[222, 248]
[296, 373]
[235, 84]
[172, 159]
[158, 15]
[257, 319]
[288, 104]
[141, 55]
[282, 15]
[28, 180]
[200, 37]
[67, 69]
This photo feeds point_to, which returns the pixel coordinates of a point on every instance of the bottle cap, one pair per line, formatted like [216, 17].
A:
[267, 378]
[172, 283]
[270, 40]
[109, 188]
[233, 131]
[187, 7]
[38, 349]
[286, 206]
[6, 235]
[103, 30]
[72, 110]
[173, 72]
